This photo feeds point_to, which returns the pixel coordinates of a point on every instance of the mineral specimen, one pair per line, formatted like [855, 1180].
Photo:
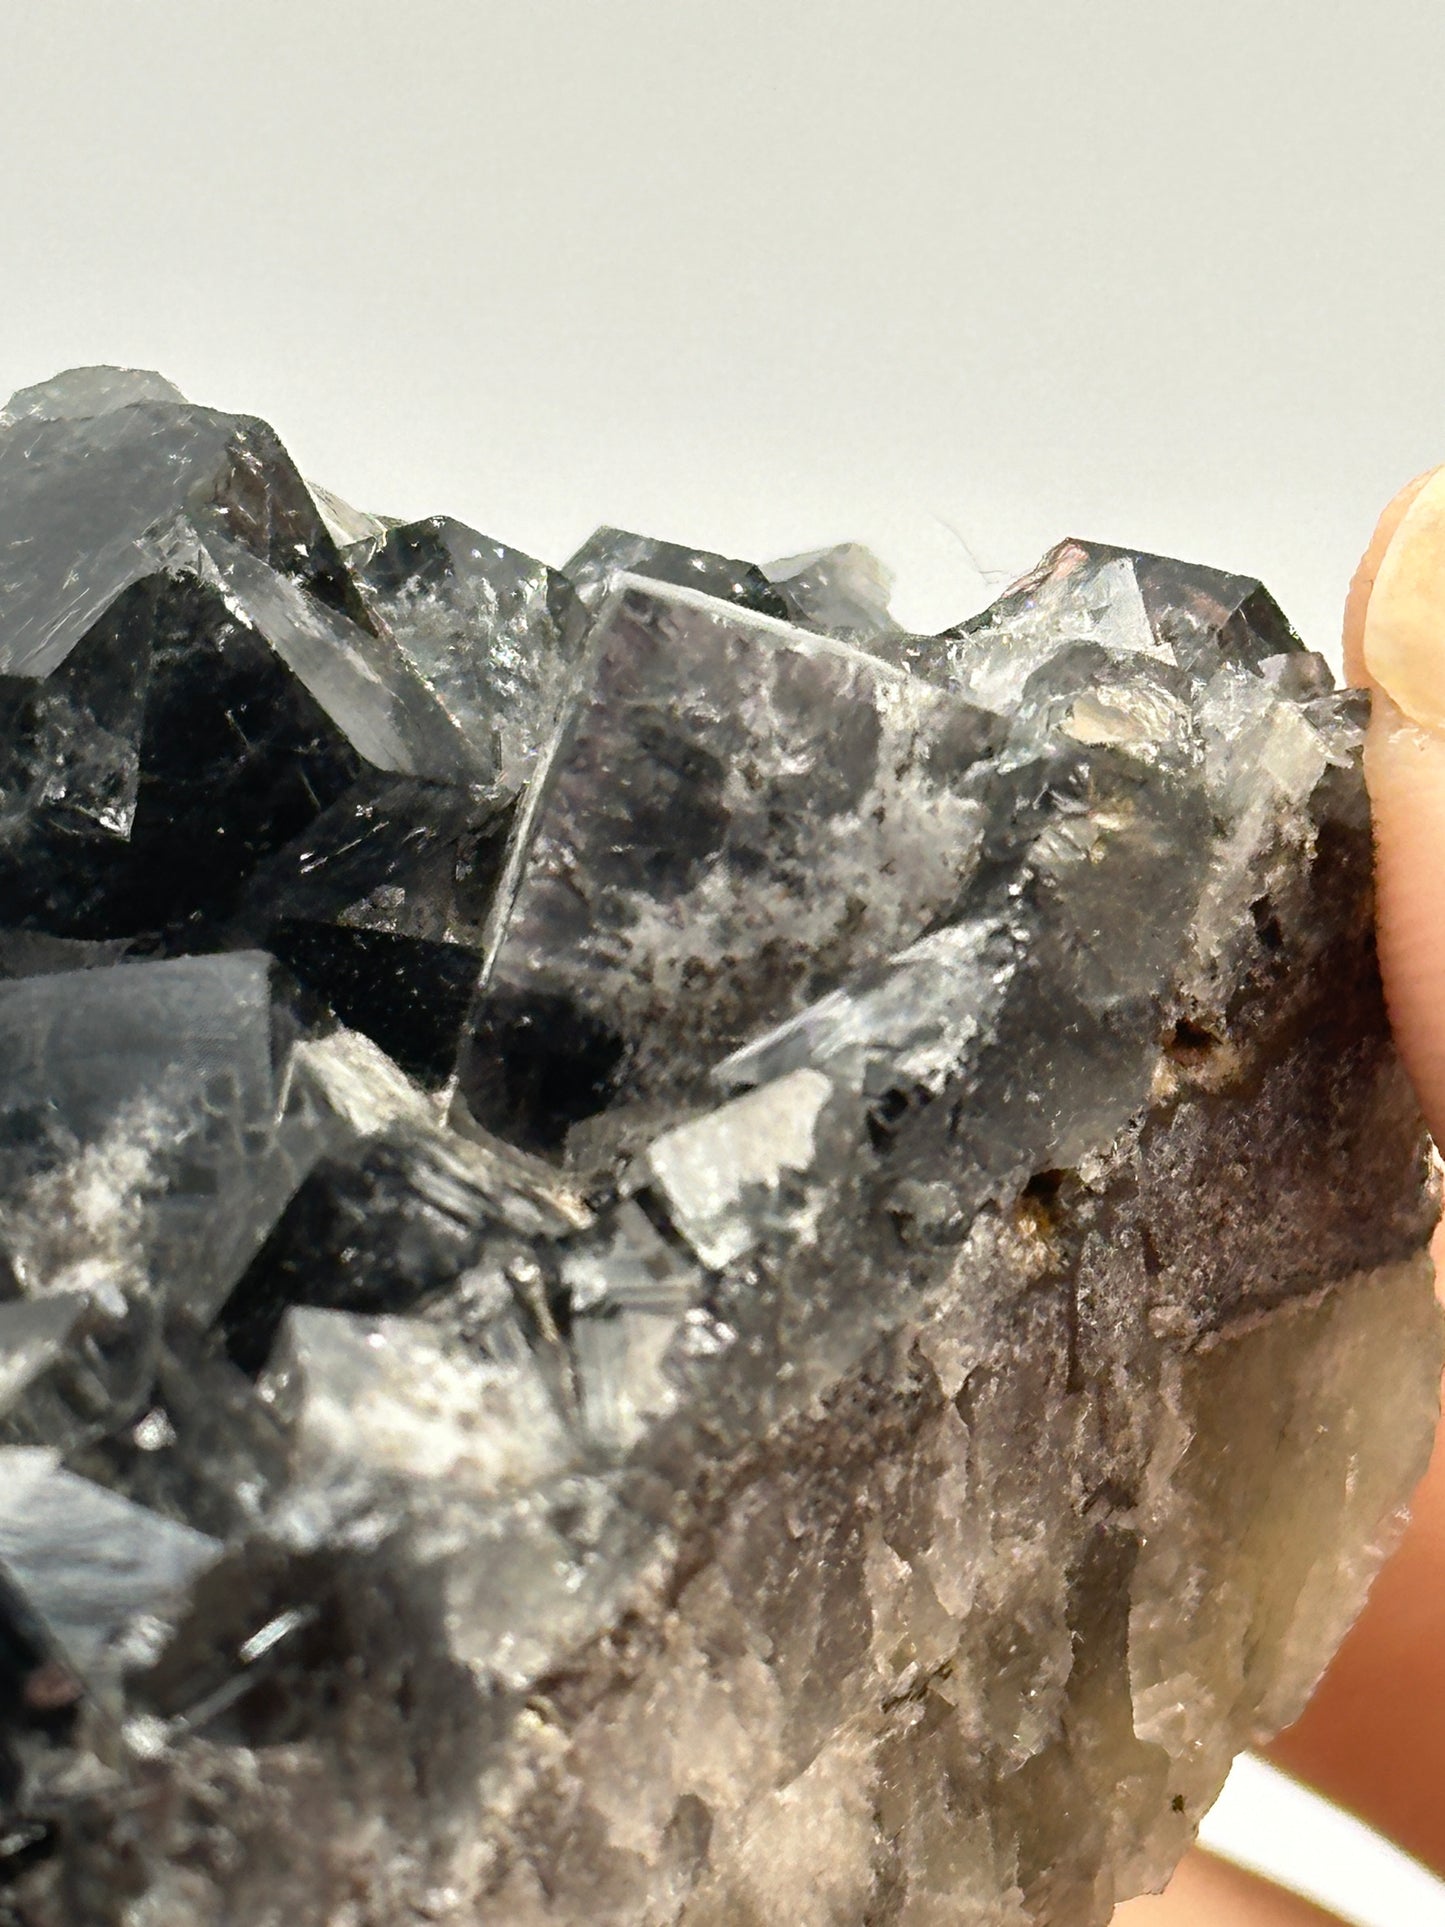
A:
[667, 1255]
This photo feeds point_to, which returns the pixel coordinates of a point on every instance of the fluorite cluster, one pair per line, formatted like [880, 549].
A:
[666, 1255]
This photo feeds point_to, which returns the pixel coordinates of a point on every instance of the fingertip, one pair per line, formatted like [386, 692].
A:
[1405, 771]
[1402, 639]
[1206, 1892]
[1395, 642]
[1362, 583]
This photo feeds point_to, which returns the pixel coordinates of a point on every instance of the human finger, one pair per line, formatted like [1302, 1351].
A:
[1206, 1892]
[1373, 1737]
[1395, 638]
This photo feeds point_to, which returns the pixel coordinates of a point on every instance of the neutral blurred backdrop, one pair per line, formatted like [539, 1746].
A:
[958, 279]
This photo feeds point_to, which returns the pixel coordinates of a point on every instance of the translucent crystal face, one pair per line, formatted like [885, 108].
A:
[690, 859]
[665, 1255]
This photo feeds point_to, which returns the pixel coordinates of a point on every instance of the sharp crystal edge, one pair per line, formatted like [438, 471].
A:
[666, 1255]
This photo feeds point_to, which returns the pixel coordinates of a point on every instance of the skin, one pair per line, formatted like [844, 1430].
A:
[1207, 1893]
[1373, 1737]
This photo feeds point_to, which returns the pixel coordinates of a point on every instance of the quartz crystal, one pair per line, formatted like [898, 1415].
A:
[666, 1254]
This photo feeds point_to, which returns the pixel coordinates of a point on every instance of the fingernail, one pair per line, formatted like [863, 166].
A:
[1404, 621]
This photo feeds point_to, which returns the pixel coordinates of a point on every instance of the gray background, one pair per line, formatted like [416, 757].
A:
[766, 273]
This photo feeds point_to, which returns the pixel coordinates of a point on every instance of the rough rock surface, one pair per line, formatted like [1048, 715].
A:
[665, 1255]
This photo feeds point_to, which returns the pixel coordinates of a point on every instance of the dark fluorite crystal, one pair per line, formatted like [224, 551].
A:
[691, 859]
[666, 1255]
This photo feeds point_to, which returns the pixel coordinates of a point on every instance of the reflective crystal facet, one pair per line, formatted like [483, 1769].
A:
[840, 592]
[665, 1256]
[492, 632]
[688, 864]
[209, 736]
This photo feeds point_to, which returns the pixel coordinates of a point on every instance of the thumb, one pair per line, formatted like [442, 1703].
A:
[1395, 641]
